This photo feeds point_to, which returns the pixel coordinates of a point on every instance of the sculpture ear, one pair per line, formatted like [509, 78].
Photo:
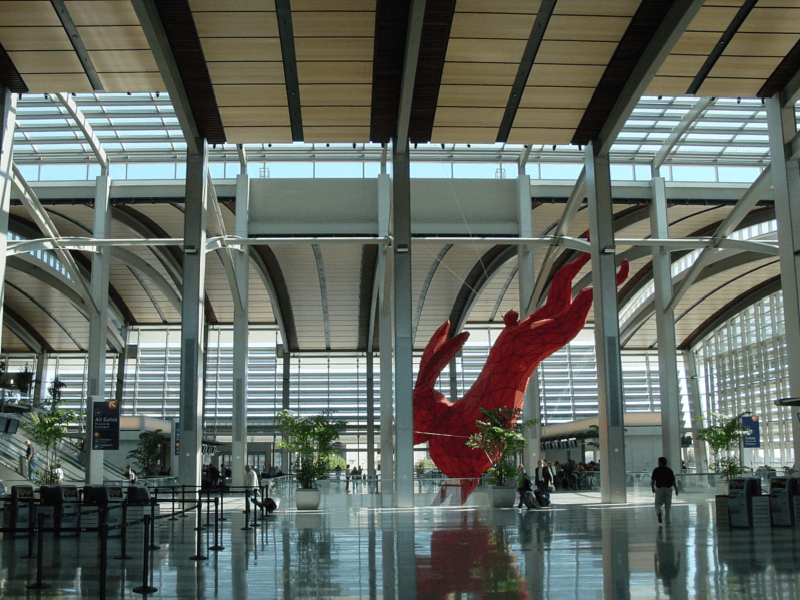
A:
[430, 371]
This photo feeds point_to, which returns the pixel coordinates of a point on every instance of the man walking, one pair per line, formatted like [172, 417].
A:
[544, 479]
[251, 483]
[30, 456]
[662, 483]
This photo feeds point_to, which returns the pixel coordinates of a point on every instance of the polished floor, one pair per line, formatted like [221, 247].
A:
[573, 550]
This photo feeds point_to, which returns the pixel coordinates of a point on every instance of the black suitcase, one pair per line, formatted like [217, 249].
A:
[529, 500]
[540, 498]
[270, 505]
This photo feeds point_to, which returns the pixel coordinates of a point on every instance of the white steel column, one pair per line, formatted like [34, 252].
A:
[532, 407]
[98, 324]
[665, 327]
[193, 312]
[9, 117]
[403, 342]
[786, 190]
[385, 337]
[370, 415]
[241, 321]
[695, 410]
[611, 405]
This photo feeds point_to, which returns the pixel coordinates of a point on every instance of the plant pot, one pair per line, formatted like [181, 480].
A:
[721, 487]
[307, 499]
[503, 497]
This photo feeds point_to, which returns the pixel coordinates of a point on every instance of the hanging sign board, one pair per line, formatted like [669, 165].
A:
[105, 425]
[754, 439]
[177, 427]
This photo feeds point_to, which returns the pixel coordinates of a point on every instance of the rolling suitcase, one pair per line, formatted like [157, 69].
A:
[529, 500]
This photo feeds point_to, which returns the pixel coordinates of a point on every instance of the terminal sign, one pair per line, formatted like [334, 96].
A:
[105, 425]
[753, 439]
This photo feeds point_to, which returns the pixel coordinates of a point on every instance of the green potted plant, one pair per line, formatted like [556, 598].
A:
[148, 452]
[48, 428]
[723, 436]
[313, 440]
[500, 437]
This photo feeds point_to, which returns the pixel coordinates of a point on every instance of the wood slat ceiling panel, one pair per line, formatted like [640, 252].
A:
[483, 308]
[34, 38]
[51, 61]
[59, 308]
[241, 44]
[334, 49]
[218, 290]
[102, 12]
[131, 82]
[168, 217]
[491, 26]
[586, 28]
[128, 61]
[464, 135]
[11, 343]
[128, 37]
[343, 282]
[32, 13]
[562, 97]
[136, 298]
[335, 92]
[260, 304]
[300, 270]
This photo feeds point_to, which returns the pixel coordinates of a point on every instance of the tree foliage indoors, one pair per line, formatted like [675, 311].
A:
[148, 452]
[47, 428]
[313, 439]
[500, 437]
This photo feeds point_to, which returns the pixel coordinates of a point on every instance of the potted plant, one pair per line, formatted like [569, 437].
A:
[500, 437]
[313, 439]
[723, 436]
[47, 429]
[148, 452]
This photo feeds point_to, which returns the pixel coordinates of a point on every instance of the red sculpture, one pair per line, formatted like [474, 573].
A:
[514, 356]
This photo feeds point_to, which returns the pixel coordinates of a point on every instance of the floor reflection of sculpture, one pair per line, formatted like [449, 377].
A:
[472, 559]
[516, 353]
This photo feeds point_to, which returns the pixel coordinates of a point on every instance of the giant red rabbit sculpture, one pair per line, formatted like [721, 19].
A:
[516, 353]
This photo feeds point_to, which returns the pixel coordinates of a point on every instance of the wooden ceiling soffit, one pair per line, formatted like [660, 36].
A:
[116, 298]
[25, 331]
[391, 29]
[719, 48]
[783, 73]
[176, 18]
[525, 66]
[430, 66]
[286, 33]
[488, 264]
[641, 30]
[9, 76]
[272, 268]
[734, 307]
[369, 261]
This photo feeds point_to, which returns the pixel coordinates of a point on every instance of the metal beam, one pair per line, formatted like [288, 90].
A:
[678, 17]
[242, 158]
[157, 39]
[86, 128]
[291, 81]
[216, 227]
[728, 225]
[8, 117]
[24, 330]
[415, 20]
[46, 225]
[681, 128]
[574, 202]
[77, 44]
[137, 263]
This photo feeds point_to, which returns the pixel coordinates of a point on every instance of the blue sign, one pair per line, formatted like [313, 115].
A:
[754, 439]
[177, 427]
[105, 425]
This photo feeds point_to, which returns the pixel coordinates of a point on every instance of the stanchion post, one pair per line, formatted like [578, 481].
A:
[153, 502]
[31, 512]
[183, 501]
[255, 512]
[145, 588]
[222, 503]
[39, 585]
[246, 512]
[103, 559]
[124, 554]
[199, 555]
[173, 517]
[208, 507]
[217, 536]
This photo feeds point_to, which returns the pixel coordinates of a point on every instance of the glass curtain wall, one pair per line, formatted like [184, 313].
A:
[744, 368]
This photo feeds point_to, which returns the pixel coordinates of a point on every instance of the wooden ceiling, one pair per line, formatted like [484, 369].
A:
[520, 71]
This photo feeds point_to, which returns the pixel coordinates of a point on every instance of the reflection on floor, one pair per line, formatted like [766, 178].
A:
[567, 551]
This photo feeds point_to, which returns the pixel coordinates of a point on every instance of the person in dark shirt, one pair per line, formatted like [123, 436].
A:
[662, 483]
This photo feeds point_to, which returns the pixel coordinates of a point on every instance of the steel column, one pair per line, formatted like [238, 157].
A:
[665, 327]
[193, 312]
[370, 416]
[403, 341]
[695, 410]
[786, 190]
[611, 404]
[241, 319]
[386, 349]
[531, 409]
[98, 325]
[8, 110]
[286, 390]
